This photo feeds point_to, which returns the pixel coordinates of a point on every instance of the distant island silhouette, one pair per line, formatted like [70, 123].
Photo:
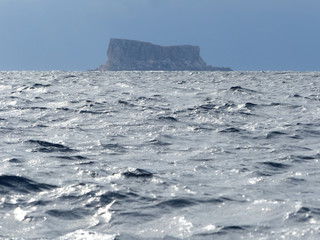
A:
[131, 55]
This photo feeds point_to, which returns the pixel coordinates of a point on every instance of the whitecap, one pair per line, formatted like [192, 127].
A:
[87, 235]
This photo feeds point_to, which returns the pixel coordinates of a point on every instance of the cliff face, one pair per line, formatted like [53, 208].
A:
[127, 55]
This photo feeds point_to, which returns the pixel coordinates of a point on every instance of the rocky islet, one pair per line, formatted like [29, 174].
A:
[131, 55]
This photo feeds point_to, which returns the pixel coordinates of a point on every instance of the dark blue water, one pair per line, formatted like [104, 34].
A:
[159, 155]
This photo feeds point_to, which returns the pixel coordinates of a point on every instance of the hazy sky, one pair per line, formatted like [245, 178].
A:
[241, 34]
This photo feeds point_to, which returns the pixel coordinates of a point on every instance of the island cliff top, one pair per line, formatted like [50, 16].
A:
[131, 55]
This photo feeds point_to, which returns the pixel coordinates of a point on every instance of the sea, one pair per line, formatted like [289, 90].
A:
[159, 155]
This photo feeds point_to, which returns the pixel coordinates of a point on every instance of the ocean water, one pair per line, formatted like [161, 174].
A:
[159, 155]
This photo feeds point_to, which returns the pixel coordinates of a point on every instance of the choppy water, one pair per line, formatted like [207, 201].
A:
[159, 155]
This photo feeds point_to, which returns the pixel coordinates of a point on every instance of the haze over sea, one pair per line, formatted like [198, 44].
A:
[159, 155]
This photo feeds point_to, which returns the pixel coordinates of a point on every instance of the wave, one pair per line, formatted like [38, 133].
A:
[11, 183]
[74, 214]
[49, 146]
[138, 173]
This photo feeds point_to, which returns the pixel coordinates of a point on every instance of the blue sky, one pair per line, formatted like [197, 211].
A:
[241, 34]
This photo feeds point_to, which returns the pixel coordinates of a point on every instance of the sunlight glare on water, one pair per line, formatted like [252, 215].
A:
[159, 155]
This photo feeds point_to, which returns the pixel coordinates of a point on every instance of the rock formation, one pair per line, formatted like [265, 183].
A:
[130, 55]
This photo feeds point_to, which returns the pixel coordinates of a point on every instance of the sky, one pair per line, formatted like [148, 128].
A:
[244, 35]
